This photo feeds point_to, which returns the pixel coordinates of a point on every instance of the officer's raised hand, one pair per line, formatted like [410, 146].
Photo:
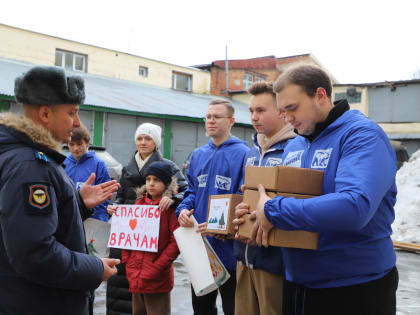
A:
[93, 195]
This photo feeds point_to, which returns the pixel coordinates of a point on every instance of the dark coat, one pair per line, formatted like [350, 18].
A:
[133, 178]
[118, 297]
[150, 272]
[44, 268]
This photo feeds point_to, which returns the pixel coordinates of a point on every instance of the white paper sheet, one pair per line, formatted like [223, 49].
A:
[97, 234]
[194, 255]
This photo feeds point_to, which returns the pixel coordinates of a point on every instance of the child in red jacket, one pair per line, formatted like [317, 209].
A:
[151, 275]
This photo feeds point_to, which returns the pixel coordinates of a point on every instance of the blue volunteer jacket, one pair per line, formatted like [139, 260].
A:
[79, 172]
[270, 258]
[355, 213]
[214, 171]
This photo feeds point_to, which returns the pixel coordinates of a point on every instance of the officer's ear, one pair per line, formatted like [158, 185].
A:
[44, 114]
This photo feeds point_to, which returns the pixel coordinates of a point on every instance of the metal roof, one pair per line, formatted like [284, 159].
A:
[128, 95]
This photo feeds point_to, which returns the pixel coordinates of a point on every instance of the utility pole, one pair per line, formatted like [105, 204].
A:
[227, 72]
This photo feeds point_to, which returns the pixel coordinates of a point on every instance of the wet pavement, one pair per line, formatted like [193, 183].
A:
[408, 294]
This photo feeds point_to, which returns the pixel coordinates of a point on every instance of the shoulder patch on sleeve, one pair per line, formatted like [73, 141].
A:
[38, 198]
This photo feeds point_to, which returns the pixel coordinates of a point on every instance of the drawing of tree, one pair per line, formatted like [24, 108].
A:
[222, 220]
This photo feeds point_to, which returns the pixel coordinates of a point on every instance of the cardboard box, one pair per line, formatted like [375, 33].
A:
[221, 212]
[276, 237]
[252, 196]
[285, 179]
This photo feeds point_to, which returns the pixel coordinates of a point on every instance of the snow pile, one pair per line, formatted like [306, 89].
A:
[406, 227]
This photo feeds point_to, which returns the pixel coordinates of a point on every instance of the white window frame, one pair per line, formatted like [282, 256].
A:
[248, 80]
[189, 82]
[74, 56]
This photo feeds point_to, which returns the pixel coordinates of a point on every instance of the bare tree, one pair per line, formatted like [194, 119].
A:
[416, 74]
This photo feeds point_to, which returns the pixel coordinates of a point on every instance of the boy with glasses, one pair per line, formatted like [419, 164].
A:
[215, 169]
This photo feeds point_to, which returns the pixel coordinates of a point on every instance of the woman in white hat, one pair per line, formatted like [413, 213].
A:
[148, 140]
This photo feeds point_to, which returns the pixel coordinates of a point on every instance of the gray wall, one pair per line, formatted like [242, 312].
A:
[87, 118]
[119, 133]
[400, 106]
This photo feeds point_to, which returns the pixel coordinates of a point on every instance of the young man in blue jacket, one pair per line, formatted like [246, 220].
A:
[260, 270]
[353, 271]
[44, 267]
[81, 163]
[215, 169]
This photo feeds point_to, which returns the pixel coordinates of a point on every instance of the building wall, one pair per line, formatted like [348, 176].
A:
[40, 49]
[396, 111]
[363, 106]
[242, 97]
[400, 104]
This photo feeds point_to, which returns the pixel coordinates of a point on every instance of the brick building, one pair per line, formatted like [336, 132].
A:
[242, 73]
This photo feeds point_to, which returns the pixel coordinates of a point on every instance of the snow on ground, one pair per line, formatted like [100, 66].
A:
[406, 227]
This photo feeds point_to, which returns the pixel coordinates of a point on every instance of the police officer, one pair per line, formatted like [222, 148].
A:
[43, 261]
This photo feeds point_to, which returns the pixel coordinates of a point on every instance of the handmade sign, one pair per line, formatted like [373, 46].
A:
[205, 269]
[135, 227]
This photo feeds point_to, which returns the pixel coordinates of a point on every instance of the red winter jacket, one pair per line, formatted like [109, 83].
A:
[149, 272]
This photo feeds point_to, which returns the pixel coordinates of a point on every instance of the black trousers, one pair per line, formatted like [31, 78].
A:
[377, 297]
[206, 304]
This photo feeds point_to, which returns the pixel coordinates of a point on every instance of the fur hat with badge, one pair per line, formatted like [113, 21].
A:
[152, 130]
[49, 86]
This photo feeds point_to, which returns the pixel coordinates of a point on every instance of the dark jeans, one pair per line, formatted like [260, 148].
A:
[206, 304]
[376, 297]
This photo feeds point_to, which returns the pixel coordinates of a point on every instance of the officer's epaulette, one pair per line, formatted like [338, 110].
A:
[41, 156]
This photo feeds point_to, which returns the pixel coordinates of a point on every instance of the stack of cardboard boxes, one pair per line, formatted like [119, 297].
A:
[299, 183]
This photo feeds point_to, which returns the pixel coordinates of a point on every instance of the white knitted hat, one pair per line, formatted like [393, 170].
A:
[154, 131]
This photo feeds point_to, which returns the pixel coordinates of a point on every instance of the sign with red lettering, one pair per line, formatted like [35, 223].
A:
[135, 227]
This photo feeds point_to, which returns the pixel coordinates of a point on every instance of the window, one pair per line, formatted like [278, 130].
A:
[70, 61]
[143, 71]
[258, 79]
[354, 97]
[248, 80]
[181, 81]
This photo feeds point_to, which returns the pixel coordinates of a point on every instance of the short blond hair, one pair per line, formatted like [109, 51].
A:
[226, 103]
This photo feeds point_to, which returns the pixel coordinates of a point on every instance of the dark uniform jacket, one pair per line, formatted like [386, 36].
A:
[43, 265]
[132, 178]
[118, 297]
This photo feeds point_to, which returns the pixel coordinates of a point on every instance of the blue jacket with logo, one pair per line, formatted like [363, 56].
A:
[80, 170]
[214, 171]
[44, 268]
[269, 258]
[355, 212]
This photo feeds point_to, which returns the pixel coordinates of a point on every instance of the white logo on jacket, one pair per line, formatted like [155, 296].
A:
[202, 180]
[250, 161]
[293, 159]
[222, 182]
[273, 162]
[321, 158]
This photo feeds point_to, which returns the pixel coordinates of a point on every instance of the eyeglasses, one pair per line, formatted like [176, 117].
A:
[215, 118]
